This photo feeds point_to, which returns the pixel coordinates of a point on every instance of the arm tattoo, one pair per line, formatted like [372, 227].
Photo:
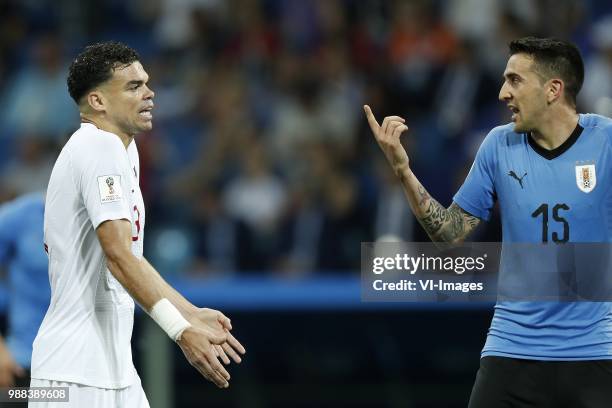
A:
[435, 217]
[446, 225]
[423, 196]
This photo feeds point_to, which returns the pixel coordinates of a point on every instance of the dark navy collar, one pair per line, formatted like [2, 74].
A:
[554, 153]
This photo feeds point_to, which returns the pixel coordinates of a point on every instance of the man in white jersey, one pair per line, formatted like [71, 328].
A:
[94, 228]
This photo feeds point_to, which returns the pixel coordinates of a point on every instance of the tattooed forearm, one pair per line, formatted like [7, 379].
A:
[471, 221]
[447, 225]
[450, 224]
[423, 196]
[456, 226]
[435, 218]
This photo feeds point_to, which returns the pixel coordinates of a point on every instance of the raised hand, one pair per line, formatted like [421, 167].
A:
[387, 136]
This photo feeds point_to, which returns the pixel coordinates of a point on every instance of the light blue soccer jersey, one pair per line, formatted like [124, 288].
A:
[22, 252]
[556, 196]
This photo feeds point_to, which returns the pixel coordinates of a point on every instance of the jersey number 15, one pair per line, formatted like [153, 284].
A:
[543, 211]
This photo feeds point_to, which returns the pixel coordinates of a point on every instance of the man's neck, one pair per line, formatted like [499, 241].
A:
[101, 124]
[556, 129]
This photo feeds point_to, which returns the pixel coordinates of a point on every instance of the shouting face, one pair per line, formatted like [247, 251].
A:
[524, 91]
[128, 100]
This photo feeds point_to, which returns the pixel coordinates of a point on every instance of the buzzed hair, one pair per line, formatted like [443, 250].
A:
[554, 58]
[96, 64]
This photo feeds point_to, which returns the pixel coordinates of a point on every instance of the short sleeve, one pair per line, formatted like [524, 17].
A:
[477, 194]
[101, 169]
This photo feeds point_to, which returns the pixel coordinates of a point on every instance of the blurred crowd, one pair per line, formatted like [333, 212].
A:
[260, 160]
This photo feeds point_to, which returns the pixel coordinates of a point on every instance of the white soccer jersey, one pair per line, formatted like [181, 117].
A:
[85, 335]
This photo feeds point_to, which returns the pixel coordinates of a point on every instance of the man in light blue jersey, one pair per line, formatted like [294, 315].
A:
[23, 256]
[550, 172]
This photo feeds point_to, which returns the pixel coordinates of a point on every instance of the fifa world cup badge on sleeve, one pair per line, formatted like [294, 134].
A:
[586, 178]
[110, 188]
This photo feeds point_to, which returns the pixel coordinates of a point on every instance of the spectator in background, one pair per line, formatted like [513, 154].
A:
[327, 215]
[216, 234]
[12, 32]
[28, 168]
[310, 112]
[559, 22]
[509, 24]
[393, 221]
[256, 198]
[419, 44]
[463, 87]
[176, 24]
[342, 229]
[37, 103]
[596, 95]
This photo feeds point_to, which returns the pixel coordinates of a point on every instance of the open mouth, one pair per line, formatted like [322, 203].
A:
[146, 112]
[515, 111]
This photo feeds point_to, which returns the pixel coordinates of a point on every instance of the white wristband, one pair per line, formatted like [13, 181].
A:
[169, 318]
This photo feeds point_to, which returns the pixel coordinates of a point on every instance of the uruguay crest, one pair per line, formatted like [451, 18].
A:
[586, 179]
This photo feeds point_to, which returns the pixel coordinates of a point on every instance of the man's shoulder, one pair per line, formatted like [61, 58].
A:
[90, 141]
[504, 132]
[501, 136]
[595, 121]
[25, 202]
[31, 201]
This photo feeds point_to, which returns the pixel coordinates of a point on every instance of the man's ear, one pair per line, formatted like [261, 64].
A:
[555, 88]
[96, 101]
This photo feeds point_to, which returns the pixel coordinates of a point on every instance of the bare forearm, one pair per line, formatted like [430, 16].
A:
[178, 300]
[441, 224]
[136, 279]
[145, 284]
[136, 275]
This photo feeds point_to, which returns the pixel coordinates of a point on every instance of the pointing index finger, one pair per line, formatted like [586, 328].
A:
[371, 119]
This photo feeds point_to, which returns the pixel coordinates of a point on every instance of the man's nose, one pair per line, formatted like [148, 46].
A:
[149, 94]
[504, 93]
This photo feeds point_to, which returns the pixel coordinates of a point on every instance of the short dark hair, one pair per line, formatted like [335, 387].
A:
[554, 58]
[96, 64]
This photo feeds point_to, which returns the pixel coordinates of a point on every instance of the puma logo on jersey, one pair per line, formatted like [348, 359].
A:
[512, 174]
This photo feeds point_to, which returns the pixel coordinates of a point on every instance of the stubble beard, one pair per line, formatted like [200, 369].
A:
[139, 126]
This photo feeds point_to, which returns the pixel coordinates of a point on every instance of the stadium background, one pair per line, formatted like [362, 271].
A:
[261, 177]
